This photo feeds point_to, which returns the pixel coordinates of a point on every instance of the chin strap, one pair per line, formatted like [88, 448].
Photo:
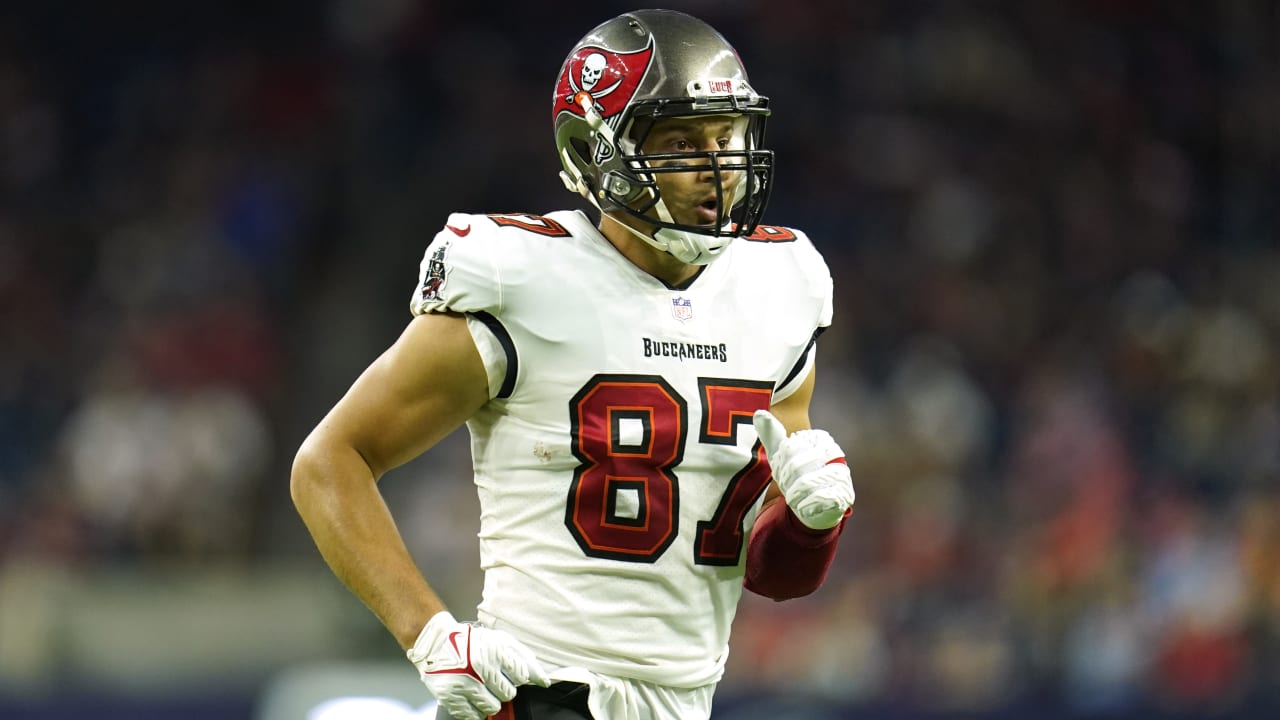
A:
[680, 244]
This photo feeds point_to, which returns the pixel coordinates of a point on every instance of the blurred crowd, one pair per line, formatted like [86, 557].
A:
[1055, 363]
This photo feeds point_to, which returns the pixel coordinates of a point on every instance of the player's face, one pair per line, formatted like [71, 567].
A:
[691, 196]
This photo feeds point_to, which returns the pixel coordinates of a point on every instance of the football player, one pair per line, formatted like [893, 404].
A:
[637, 403]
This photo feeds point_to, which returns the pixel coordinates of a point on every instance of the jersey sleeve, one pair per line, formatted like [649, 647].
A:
[817, 277]
[458, 275]
[798, 373]
[815, 267]
[457, 272]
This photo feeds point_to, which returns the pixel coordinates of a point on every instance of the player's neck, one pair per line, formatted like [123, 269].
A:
[651, 260]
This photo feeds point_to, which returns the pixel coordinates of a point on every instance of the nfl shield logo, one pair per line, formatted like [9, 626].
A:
[682, 308]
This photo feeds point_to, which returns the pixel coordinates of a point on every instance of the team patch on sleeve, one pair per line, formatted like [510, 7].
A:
[435, 274]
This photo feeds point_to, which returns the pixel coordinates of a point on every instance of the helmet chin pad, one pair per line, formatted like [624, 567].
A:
[687, 247]
[690, 248]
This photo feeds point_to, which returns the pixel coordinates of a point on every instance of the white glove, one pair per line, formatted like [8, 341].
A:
[472, 670]
[809, 469]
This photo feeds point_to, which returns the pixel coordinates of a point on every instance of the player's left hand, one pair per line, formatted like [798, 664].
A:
[810, 470]
[471, 670]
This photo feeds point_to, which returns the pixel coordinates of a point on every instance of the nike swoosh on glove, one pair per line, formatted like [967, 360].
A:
[471, 670]
[810, 470]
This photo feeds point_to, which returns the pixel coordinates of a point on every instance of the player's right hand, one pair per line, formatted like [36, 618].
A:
[472, 670]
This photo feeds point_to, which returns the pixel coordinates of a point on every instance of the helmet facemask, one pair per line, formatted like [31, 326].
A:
[740, 174]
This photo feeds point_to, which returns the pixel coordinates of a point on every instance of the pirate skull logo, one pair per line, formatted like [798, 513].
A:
[592, 69]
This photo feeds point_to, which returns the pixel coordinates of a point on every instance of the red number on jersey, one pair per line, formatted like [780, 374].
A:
[770, 233]
[532, 223]
[629, 432]
[726, 405]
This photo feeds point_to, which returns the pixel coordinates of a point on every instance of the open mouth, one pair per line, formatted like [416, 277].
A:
[708, 212]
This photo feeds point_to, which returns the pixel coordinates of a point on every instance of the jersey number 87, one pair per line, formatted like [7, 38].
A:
[642, 464]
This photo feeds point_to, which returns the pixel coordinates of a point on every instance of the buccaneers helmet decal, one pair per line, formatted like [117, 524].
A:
[609, 77]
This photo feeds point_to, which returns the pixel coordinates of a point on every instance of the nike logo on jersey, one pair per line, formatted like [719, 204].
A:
[460, 232]
[685, 350]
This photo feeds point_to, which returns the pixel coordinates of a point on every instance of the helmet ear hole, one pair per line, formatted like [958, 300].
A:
[581, 149]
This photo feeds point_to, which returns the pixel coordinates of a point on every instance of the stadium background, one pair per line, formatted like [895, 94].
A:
[1056, 360]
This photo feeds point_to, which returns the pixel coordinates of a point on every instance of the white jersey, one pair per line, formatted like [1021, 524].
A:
[618, 471]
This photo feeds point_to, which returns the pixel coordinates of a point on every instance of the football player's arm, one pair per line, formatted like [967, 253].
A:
[421, 389]
[793, 413]
[785, 557]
